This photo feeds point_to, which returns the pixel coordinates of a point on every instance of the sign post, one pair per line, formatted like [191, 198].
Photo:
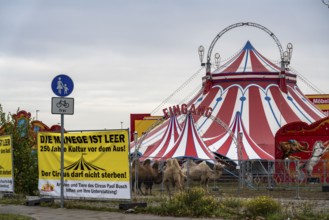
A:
[62, 85]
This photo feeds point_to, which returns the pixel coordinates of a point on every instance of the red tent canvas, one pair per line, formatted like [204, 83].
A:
[244, 148]
[167, 141]
[190, 144]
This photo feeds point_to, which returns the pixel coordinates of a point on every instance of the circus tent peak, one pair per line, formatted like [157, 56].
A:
[243, 148]
[190, 144]
[165, 144]
[248, 60]
[263, 106]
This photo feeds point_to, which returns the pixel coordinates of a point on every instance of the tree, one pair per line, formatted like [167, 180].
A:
[25, 164]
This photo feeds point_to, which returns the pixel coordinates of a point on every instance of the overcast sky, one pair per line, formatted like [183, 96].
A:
[130, 56]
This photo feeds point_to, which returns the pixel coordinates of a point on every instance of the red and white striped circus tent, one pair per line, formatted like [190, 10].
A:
[190, 144]
[167, 141]
[244, 149]
[264, 96]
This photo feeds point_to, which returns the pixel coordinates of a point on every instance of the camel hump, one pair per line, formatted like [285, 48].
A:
[204, 167]
[147, 162]
[191, 162]
[169, 162]
[155, 164]
[175, 163]
[203, 164]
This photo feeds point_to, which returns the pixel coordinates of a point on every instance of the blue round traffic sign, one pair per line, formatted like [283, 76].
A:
[62, 85]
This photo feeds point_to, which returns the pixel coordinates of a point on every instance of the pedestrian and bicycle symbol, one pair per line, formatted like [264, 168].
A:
[62, 105]
[62, 85]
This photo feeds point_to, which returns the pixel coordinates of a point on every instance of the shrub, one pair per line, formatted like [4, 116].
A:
[25, 164]
[193, 202]
[231, 202]
[262, 206]
[231, 206]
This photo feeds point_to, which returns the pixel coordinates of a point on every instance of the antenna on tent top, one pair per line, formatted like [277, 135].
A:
[201, 54]
[287, 55]
[217, 60]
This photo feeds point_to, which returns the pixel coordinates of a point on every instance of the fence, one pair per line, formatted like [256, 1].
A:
[280, 179]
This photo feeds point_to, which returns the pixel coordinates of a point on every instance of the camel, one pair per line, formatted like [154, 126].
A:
[173, 175]
[202, 172]
[147, 174]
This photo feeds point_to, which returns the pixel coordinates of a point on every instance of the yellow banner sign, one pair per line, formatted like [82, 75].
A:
[96, 164]
[321, 101]
[6, 164]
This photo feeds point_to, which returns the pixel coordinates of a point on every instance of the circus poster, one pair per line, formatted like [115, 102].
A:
[6, 164]
[96, 164]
